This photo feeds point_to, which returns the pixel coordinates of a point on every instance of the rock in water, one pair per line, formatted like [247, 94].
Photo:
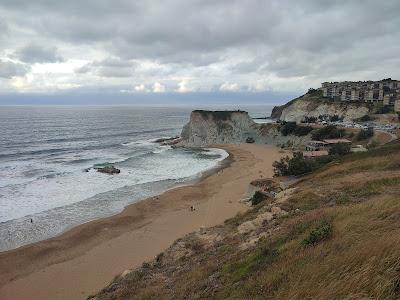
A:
[109, 170]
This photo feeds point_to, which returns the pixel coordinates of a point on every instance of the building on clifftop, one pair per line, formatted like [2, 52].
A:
[386, 91]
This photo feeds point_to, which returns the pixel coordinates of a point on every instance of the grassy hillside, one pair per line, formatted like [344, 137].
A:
[334, 235]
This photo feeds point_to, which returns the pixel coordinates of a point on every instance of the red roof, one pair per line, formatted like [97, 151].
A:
[337, 141]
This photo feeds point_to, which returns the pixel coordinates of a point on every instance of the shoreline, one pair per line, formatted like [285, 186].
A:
[193, 179]
[86, 257]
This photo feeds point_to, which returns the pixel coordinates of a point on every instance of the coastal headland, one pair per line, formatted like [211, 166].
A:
[84, 259]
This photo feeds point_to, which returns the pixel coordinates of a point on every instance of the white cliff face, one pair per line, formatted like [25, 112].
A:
[207, 127]
[270, 134]
[307, 108]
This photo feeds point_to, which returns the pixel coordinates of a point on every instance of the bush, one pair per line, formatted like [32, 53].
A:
[321, 232]
[334, 118]
[288, 128]
[298, 165]
[328, 132]
[310, 119]
[314, 92]
[258, 197]
[365, 118]
[340, 149]
[365, 134]
[303, 130]
[384, 110]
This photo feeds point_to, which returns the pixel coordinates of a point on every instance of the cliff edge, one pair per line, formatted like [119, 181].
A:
[313, 104]
[233, 127]
[217, 127]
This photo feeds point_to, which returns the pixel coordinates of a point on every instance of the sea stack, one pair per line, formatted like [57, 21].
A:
[217, 127]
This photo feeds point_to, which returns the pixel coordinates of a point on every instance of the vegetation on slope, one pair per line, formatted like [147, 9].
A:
[313, 96]
[299, 165]
[291, 128]
[328, 132]
[218, 115]
[339, 239]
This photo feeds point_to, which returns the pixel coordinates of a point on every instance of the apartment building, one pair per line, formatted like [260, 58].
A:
[386, 91]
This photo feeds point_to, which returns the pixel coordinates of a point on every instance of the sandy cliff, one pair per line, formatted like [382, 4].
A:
[313, 105]
[217, 127]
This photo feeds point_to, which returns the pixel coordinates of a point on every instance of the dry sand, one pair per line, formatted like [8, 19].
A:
[86, 258]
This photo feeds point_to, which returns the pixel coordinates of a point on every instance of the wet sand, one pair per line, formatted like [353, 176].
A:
[86, 258]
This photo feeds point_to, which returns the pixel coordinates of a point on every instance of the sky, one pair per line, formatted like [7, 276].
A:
[126, 51]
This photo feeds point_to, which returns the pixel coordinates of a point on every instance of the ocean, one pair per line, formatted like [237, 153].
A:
[45, 152]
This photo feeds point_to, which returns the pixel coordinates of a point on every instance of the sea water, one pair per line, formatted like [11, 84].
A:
[47, 157]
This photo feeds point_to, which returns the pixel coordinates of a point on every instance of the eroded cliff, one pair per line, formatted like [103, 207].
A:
[233, 127]
[217, 127]
[314, 105]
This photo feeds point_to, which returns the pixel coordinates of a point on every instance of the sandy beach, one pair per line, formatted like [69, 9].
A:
[84, 259]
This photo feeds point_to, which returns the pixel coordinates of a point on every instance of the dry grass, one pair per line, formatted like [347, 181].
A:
[340, 240]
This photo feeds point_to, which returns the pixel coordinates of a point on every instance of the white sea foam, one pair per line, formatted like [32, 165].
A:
[46, 178]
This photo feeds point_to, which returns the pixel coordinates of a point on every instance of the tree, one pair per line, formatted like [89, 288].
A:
[328, 132]
[288, 128]
[365, 134]
[340, 149]
[297, 165]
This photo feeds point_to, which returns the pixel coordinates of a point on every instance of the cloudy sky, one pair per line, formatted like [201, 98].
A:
[193, 47]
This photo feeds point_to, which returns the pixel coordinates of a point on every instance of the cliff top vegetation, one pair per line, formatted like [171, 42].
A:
[219, 115]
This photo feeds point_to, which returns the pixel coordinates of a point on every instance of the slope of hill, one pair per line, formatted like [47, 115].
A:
[335, 234]
[313, 104]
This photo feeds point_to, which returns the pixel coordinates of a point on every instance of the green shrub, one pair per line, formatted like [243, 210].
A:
[258, 197]
[303, 130]
[298, 165]
[365, 134]
[321, 232]
[288, 128]
[365, 118]
[221, 115]
[384, 110]
[340, 149]
[328, 132]
[310, 119]
[315, 92]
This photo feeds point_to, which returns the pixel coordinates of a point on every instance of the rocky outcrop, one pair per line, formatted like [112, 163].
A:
[218, 127]
[233, 127]
[315, 106]
[108, 170]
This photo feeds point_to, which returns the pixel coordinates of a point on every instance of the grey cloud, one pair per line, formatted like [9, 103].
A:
[34, 53]
[10, 69]
[247, 39]
[109, 67]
